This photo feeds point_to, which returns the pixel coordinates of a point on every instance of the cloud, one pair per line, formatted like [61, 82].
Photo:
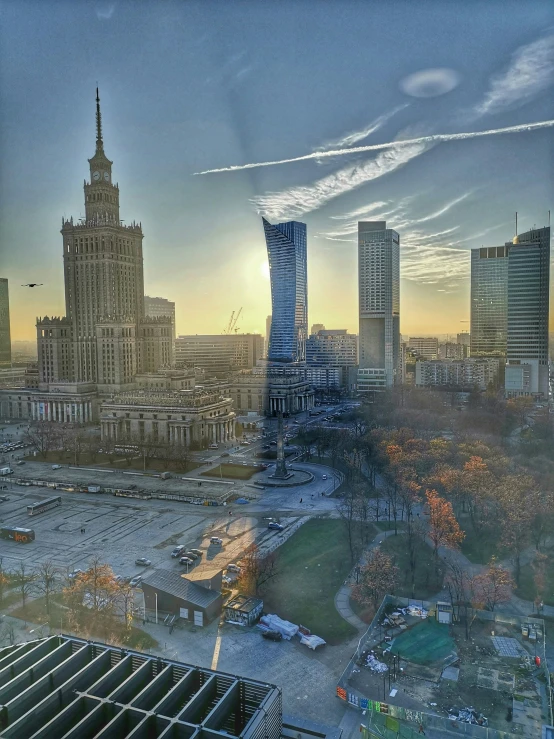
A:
[530, 72]
[353, 138]
[296, 201]
[429, 264]
[429, 83]
[435, 138]
[444, 209]
[365, 210]
[104, 10]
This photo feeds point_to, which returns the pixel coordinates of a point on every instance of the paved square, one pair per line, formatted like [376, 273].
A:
[507, 646]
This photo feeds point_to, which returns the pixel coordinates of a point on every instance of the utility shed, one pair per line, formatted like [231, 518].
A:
[169, 592]
[244, 610]
[208, 577]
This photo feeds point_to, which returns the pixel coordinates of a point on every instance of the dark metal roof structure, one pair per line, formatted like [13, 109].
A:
[67, 688]
[174, 584]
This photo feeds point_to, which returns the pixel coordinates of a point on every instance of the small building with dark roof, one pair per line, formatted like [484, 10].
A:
[208, 577]
[243, 610]
[170, 593]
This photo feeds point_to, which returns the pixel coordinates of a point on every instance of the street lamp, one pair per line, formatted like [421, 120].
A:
[156, 596]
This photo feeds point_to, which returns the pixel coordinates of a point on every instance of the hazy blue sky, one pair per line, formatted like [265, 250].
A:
[191, 86]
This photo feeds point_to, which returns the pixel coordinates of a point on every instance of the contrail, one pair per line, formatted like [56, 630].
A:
[376, 147]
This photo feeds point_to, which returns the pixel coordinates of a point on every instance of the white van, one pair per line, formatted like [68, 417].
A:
[216, 540]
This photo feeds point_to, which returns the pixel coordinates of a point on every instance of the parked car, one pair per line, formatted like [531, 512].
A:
[273, 443]
[216, 540]
[75, 573]
[20, 462]
[224, 454]
[136, 581]
[178, 550]
[226, 580]
[323, 477]
[186, 561]
[56, 466]
[233, 568]
[198, 552]
[274, 525]
[272, 635]
[143, 562]
[191, 555]
[212, 446]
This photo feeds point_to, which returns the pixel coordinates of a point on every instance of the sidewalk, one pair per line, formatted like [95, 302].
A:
[342, 598]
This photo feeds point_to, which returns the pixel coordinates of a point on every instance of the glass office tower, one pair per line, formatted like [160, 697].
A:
[489, 301]
[287, 254]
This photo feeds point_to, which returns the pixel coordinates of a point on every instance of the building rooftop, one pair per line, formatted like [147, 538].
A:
[68, 688]
[177, 585]
[243, 603]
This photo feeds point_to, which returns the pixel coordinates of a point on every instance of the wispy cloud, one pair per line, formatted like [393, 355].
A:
[444, 209]
[365, 210]
[352, 138]
[433, 139]
[295, 201]
[429, 264]
[530, 72]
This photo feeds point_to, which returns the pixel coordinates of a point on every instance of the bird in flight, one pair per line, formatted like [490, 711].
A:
[33, 284]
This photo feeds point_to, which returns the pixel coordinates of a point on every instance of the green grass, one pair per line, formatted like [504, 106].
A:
[479, 548]
[427, 582]
[232, 471]
[527, 589]
[313, 564]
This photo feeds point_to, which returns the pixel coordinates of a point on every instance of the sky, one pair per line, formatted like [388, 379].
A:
[367, 97]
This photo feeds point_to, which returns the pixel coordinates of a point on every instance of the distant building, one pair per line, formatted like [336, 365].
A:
[475, 372]
[332, 346]
[195, 417]
[379, 305]
[219, 354]
[5, 336]
[489, 301]
[463, 338]
[158, 308]
[449, 350]
[427, 347]
[528, 314]
[287, 254]
[267, 391]
[316, 328]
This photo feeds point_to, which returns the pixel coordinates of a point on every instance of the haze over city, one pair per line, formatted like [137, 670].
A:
[192, 87]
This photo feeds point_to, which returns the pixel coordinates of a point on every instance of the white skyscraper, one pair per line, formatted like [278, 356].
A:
[379, 305]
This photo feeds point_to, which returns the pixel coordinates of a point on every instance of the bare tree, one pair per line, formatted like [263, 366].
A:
[42, 436]
[257, 570]
[25, 581]
[48, 579]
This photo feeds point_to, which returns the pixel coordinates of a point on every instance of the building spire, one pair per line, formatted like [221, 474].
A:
[99, 142]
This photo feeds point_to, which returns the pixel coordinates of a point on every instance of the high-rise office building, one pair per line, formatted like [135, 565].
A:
[426, 346]
[5, 336]
[287, 254]
[379, 305]
[267, 334]
[489, 301]
[528, 313]
[463, 338]
[159, 307]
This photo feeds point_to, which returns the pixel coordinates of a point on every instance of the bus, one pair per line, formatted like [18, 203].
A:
[23, 536]
[43, 505]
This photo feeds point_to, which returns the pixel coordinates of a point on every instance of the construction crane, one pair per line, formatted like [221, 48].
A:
[232, 325]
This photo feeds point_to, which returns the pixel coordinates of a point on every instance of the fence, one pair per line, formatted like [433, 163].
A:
[386, 716]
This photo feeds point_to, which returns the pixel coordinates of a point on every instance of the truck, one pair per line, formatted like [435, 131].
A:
[6, 471]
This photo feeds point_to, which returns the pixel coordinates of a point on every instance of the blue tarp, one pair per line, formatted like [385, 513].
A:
[242, 501]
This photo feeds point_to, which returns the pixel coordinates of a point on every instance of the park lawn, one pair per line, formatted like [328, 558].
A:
[85, 459]
[232, 471]
[479, 548]
[385, 525]
[527, 589]
[313, 563]
[88, 624]
[427, 582]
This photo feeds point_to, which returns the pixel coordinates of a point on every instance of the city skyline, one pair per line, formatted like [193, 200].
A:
[423, 110]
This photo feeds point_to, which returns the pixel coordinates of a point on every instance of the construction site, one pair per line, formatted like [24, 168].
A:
[483, 675]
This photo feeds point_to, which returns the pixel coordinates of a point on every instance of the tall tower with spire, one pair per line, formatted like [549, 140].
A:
[104, 338]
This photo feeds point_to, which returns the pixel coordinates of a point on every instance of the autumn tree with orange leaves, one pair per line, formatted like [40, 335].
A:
[378, 576]
[444, 530]
[493, 586]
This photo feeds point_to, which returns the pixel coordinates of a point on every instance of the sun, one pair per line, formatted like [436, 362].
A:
[264, 269]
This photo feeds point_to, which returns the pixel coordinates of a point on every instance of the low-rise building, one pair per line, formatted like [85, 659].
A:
[194, 417]
[427, 347]
[219, 354]
[466, 374]
[170, 593]
[268, 391]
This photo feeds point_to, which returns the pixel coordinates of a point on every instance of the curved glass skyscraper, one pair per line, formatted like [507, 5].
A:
[286, 251]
